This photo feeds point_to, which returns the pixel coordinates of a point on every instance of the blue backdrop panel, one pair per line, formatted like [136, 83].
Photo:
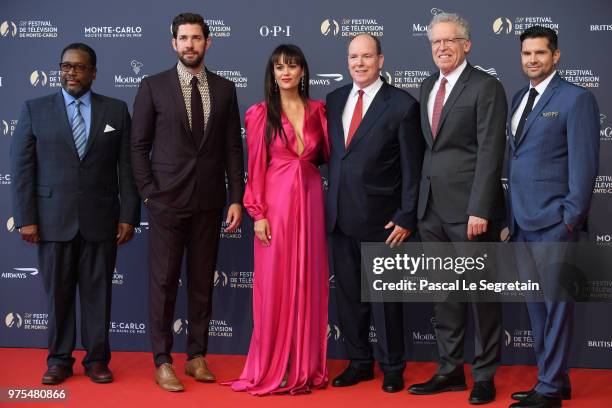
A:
[132, 40]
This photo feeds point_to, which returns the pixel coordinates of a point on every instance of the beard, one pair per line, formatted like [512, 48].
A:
[191, 63]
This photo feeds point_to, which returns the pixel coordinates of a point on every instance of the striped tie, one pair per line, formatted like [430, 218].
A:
[78, 129]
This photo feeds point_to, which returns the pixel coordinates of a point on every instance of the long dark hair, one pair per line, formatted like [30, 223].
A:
[289, 54]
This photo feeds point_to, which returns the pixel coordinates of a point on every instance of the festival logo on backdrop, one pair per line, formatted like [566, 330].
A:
[352, 26]
[29, 321]
[581, 76]
[50, 78]
[239, 80]
[28, 29]
[330, 27]
[516, 26]
[8, 127]
[406, 78]
[603, 185]
[241, 279]
[333, 332]
[218, 28]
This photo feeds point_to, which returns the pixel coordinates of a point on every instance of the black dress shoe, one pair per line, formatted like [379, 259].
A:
[352, 376]
[393, 382]
[482, 393]
[99, 373]
[440, 383]
[536, 400]
[566, 394]
[56, 374]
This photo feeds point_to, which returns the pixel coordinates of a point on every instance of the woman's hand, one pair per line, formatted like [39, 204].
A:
[262, 231]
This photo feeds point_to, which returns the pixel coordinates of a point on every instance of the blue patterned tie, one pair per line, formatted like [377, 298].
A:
[78, 129]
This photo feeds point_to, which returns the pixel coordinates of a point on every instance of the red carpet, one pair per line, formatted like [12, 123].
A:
[134, 386]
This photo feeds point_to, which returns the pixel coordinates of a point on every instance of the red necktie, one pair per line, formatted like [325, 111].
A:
[437, 108]
[356, 119]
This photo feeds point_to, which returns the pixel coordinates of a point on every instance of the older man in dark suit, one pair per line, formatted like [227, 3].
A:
[461, 197]
[74, 196]
[374, 166]
[186, 138]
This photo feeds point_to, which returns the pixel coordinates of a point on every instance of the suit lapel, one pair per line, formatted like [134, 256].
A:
[454, 95]
[179, 101]
[97, 119]
[377, 107]
[515, 104]
[426, 126]
[339, 102]
[542, 102]
[66, 129]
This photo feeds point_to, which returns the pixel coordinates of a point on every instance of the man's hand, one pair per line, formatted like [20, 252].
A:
[476, 226]
[29, 233]
[398, 235]
[125, 232]
[234, 217]
[262, 231]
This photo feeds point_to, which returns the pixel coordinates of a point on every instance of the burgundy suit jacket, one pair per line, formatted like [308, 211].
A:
[170, 170]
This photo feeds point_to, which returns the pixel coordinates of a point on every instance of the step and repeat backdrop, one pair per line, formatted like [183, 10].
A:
[132, 40]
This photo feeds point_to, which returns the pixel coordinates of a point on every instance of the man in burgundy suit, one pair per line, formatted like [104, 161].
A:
[186, 139]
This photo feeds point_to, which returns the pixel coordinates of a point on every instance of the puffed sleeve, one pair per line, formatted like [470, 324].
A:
[255, 191]
[323, 120]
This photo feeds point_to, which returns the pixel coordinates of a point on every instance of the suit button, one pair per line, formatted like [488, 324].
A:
[515, 157]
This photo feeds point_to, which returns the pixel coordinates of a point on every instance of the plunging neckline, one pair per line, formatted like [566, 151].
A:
[295, 133]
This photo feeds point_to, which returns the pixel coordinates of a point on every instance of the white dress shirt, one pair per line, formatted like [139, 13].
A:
[541, 87]
[452, 80]
[369, 92]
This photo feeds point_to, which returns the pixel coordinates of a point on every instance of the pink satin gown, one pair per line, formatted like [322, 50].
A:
[291, 276]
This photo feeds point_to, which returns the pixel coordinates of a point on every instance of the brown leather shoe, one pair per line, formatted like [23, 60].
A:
[56, 374]
[99, 373]
[167, 379]
[197, 368]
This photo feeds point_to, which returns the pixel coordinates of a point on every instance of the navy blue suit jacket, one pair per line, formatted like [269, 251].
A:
[56, 190]
[374, 180]
[552, 168]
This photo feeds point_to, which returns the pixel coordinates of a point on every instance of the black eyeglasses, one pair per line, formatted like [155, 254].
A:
[78, 68]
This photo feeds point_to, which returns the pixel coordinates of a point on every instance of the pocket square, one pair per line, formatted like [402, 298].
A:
[550, 114]
[108, 128]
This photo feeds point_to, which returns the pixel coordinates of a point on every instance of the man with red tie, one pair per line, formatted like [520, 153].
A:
[461, 198]
[374, 169]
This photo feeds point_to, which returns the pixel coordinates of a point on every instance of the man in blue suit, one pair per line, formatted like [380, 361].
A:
[553, 134]
[74, 195]
[374, 170]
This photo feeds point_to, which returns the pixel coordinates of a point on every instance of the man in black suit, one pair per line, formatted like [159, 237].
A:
[374, 167]
[461, 198]
[186, 138]
[74, 196]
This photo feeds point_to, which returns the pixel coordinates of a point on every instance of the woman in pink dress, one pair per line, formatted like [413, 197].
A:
[287, 140]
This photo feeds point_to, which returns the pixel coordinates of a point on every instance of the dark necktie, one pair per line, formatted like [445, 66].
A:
[197, 112]
[528, 108]
[437, 108]
[356, 119]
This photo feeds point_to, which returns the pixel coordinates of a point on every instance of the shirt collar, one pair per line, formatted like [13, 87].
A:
[85, 99]
[369, 90]
[454, 74]
[541, 87]
[186, 75]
